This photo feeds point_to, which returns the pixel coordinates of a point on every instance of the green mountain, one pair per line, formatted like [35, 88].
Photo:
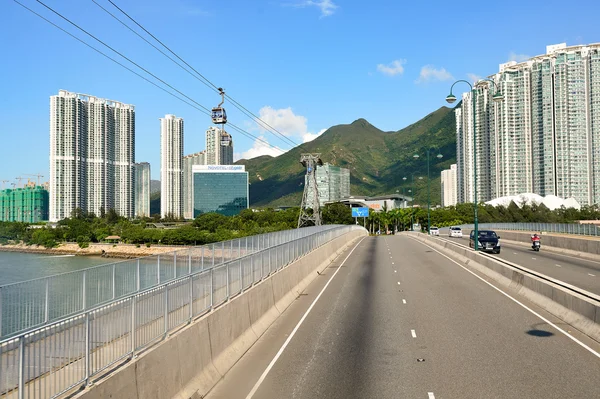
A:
[377, 160]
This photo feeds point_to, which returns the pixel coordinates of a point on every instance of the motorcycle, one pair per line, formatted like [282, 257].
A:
[536, 245]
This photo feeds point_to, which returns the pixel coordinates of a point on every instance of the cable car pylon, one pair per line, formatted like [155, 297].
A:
[307, 218]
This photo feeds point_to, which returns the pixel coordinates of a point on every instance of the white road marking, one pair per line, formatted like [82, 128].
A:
[392, 263]
[395, 271]
[590, 274]
[514, 253]
[533, 258]
[519, 303]
[287, 341]
[557, 265]
[413, 333]
[404, 301]
[398, 282]
[430, 395]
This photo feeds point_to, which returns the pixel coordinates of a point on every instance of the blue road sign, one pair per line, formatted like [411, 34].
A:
[360, 212]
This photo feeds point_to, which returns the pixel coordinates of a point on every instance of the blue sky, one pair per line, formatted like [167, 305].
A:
[302, 65]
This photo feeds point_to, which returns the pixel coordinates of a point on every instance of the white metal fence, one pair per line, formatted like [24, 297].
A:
[563, 228]
[49, 360]
[33, 303]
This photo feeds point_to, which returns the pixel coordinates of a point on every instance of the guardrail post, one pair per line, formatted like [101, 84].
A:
[190, 261]
[0, 313]
[222, 252]
[202, 260]
[22, 367]
[241, 279]
[87, 348]
[212, 278]
[227, 279]
[239, 248]
[133, 325]
[46, 306]
[84, 289]
[191, 297]
[213, 255]
[231, 251]
[166, 310]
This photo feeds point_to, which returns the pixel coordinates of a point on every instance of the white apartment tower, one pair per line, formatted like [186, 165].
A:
[198, 158]
[449, 186]
[219, 147]
[92, 155]
[142, 189]
[544, 137]
[171, 166]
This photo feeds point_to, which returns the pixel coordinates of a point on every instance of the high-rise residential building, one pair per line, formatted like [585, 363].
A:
[544, 137]
[333, 184]
[92, 153]
[142, 189]
[449, 186]
[198, 158]
[171, 167]
[219, 147]
[220, 188]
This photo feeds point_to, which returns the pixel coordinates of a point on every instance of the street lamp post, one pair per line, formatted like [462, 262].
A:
[451, 98]
[416, 156]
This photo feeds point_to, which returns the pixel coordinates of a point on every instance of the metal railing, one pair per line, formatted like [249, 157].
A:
[33, 303]
[50, 360]
[562, 228]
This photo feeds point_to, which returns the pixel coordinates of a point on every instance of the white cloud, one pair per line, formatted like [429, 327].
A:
[311, 136]
[259, 148]
[430, 74]
[512, 56]
[392, 69]
[285, 121]
[473, 77]
[327, 7]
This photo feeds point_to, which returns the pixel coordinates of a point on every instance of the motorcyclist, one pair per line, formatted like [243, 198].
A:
[535, 237]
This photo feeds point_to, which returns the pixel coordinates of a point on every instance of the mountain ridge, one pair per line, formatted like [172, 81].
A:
[377, 160]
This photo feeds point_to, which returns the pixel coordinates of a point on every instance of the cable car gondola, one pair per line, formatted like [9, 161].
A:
[218, 114]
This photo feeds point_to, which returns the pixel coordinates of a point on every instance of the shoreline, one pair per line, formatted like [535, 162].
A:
[123, 251]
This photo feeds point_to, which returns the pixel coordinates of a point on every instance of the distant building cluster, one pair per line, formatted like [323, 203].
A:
[333, 184]
[93, 168]
[543, 138]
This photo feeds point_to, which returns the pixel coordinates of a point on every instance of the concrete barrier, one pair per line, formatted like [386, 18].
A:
[191, 362]
[577, 310]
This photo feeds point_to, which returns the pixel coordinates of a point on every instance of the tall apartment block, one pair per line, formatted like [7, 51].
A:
[171, 166]
[544, 137]
[142, 189]
[449, 186]
[333, 184]
[92, 153]
[219, 147]
[198, 158]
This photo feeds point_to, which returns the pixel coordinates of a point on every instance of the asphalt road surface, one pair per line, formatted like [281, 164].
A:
[399, 320]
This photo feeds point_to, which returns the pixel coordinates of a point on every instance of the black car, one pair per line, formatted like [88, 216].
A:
[488, 241]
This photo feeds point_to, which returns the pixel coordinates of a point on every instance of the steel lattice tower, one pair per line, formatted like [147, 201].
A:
[310, 162]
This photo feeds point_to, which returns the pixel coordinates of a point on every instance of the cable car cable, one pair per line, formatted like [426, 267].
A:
[198, 106]
[205, 80]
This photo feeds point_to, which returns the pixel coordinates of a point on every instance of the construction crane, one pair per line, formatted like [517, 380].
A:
[39, 176]
[19, 180]
[4, 183]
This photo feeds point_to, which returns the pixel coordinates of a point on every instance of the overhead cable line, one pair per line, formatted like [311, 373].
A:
[197, 105]
[205, 80]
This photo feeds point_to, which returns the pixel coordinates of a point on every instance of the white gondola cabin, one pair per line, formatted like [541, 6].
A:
[218, 114]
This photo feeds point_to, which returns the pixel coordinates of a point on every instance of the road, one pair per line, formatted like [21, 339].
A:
[579, 272]
[399, 320]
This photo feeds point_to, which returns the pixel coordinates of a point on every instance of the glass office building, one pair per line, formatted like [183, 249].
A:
[220, 188]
